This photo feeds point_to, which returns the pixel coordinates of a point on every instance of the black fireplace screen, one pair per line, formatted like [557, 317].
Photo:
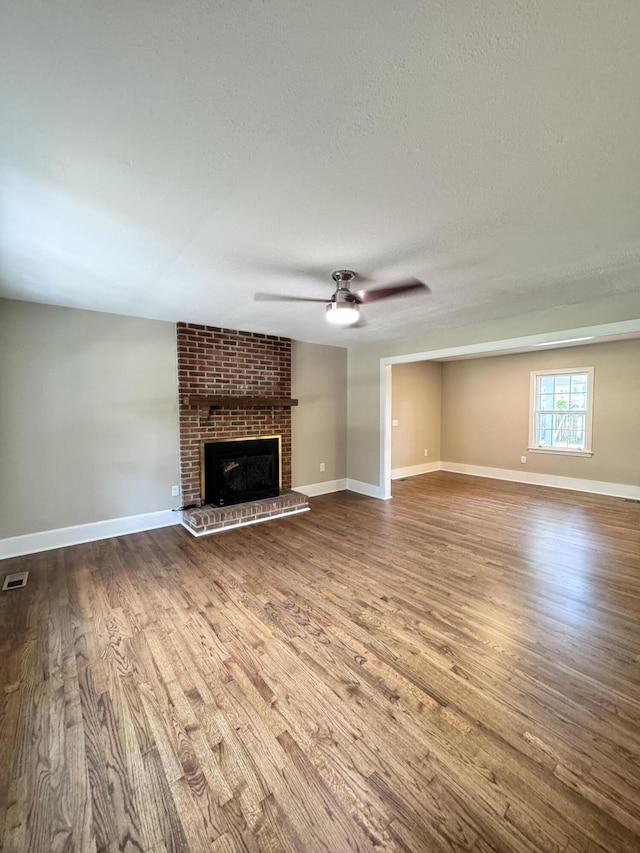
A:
[239, 471]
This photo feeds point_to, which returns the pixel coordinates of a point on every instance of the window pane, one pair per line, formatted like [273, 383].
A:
[543, 422]
[544, 431]
[577, 401]
[579, 382]
[562, 384]
[545, 384]
[568, 431]
[545, 403]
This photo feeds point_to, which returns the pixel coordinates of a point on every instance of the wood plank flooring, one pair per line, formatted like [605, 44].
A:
[453, 670]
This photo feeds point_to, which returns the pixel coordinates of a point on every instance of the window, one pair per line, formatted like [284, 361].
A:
[561, 411]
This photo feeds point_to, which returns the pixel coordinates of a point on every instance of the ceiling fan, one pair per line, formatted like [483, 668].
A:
[343, 307]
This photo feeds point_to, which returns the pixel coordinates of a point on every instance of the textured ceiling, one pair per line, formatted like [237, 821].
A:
[168, 159]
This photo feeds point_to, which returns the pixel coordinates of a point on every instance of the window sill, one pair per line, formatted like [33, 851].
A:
[559, 451]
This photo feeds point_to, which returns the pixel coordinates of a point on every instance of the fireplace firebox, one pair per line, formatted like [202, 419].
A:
[235, 470]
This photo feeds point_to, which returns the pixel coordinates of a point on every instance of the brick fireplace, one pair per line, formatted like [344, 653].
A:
[231, 365]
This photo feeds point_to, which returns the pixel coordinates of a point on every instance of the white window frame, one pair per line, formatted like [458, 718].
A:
[562, 451]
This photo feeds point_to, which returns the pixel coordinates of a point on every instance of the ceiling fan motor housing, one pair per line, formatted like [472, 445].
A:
[343, 294]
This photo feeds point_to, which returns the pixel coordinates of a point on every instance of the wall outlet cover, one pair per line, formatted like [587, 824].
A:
[175, 491]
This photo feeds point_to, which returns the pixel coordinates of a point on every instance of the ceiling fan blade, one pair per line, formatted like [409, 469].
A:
[399, 288]
[279, 297]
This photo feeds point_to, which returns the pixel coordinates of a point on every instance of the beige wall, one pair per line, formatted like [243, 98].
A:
[319, 423]
[88, 417]
[88, 411]
[416, 395]
[363, 404]
[485, 412]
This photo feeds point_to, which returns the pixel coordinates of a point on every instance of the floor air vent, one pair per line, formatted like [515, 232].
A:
[15, 581]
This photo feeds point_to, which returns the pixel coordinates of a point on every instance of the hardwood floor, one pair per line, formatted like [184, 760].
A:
[453, 670]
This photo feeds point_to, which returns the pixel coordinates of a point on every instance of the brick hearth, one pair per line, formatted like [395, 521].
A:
[212, 519]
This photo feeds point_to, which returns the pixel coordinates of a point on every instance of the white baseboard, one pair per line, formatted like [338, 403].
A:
[414, 470]
[33, 543]
[315, 489]
[367, 489]
[597, 487]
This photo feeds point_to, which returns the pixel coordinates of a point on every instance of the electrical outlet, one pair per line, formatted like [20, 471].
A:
[322, 466]
[394, 423]
[523, 459]
[175, 491]
[426, 452]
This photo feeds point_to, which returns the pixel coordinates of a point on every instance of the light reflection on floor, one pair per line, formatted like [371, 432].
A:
[564, 550]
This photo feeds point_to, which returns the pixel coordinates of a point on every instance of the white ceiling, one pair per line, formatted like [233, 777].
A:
[168, 159]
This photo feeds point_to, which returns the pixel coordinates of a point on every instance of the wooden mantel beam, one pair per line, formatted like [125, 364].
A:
[219, 401]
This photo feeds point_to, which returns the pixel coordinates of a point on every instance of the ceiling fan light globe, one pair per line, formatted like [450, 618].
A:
[342, 314]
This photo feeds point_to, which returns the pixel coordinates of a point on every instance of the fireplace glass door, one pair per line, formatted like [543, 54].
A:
[238, 471]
